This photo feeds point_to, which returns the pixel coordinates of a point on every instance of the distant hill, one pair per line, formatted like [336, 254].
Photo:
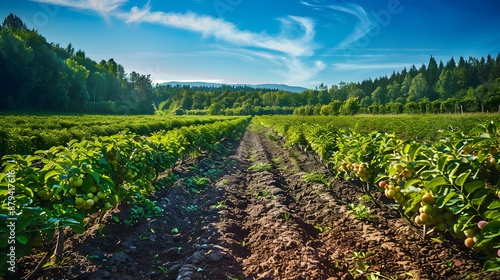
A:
[267, 86]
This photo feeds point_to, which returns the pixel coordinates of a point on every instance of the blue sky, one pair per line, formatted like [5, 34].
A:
[296, 42]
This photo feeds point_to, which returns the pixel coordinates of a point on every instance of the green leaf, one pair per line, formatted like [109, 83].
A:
[494, 205]
[414, 150]
[442, 200]
[492, 265]
[411, 182]
[441, 162]
[460, 180]
[51, 174]
[95, 175]
[492, 226]
[482, 155]
[492, 215]
[470, 187]
[477, 130]
[21, 238]
[479, 196]
[77, 228]
[438, 181]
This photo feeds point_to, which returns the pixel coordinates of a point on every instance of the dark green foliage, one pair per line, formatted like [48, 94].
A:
[37, 75]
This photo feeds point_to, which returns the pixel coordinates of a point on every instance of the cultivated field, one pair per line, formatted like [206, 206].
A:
[279, 197]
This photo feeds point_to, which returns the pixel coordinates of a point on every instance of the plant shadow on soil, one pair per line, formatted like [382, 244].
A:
[268, 223]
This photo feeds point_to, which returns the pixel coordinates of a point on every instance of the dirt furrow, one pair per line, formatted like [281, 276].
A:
[279, 243]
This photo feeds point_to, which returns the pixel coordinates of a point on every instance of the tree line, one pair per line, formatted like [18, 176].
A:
[41, 76]
[471, 85]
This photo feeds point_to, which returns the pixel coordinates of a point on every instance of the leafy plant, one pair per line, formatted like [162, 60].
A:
[218, 206]
[190, 208]
[163, 269]
[315, 178]
[361, 211]
[143, 207]
[321, 228]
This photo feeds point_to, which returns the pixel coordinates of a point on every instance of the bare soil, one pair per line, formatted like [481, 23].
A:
[268, 222]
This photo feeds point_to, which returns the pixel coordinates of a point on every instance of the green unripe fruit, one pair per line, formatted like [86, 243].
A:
[101, 194]
[79, 201]
[90, 202]
[469, 233]
[78, 182]
[72, 191]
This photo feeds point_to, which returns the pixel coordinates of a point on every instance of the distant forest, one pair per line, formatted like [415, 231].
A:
[39, 76]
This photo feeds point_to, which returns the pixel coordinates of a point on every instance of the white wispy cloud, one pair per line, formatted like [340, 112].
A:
[103, 7]
[288, 52]
[226, 31]
[364, 23]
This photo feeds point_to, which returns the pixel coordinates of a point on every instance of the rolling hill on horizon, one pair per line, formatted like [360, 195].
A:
[282, 87]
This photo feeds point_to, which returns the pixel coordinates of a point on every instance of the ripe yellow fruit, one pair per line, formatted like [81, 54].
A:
[429, 199]
[469, 242]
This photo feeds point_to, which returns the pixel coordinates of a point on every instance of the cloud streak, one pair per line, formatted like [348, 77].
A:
[102, 7]
[364, 23]
[288, 51]
[228, 32]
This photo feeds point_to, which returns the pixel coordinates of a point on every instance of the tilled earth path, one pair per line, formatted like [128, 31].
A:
[261, 218]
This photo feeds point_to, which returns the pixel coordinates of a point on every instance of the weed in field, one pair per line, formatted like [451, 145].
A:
[277, 160]
[315, 178]
[361, 211]
[322, 229]
[252, 158]
[265, 194]
[163, 269]
[365, 198]
[143, 208]
[359, 267]
[190, 208]
[197, 183]
[258, 167]
[286, 216]
[101, 229]
[220, 205]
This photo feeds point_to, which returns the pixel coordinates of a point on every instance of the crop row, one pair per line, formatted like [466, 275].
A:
[56, 188]
[26, 134]
[411, 127]
[450, 185]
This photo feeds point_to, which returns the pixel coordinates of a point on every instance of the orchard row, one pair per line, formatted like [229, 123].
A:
[61, 186]
[451, 185]
[26, 134]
